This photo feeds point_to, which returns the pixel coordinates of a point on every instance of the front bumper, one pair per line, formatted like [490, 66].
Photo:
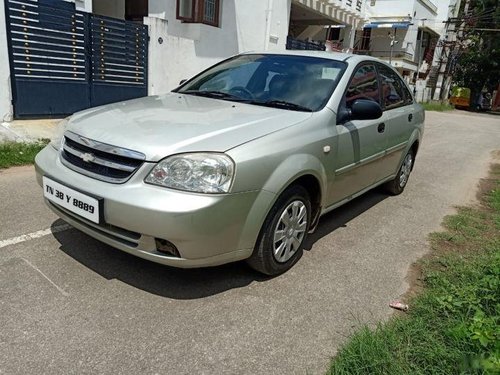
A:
[206, 229]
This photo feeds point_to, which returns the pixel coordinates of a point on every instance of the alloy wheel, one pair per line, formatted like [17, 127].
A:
[405, 170]
[290, 231]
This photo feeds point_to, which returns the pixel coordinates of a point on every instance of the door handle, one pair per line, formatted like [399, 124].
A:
[410, 117]
[381, 127]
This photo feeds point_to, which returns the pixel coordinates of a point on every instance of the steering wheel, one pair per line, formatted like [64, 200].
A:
[242, 92]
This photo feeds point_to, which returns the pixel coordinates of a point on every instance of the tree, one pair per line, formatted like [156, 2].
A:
[478, 62]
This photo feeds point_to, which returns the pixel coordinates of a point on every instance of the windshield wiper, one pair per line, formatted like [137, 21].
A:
[283, 104]
[214, 94]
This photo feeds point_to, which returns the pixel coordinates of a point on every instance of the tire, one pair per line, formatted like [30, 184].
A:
[272, 257]
[398, 184]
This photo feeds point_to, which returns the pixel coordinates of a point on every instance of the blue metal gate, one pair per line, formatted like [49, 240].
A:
[63, 60]
[118, 60]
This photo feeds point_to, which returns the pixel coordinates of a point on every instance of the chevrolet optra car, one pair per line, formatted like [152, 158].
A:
[239, 162]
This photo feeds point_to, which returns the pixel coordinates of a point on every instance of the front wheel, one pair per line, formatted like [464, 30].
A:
[397, 185]
[279, 245]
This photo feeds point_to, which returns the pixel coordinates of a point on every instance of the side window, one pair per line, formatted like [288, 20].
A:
[394, 92]
[408, 97]
[364, 85]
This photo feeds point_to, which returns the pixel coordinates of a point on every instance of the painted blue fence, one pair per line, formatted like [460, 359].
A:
[63, 60]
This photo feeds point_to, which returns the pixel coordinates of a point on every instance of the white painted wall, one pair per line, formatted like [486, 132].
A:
[187, 48]
[380, 41]
[83, 5]
[5, 90]
[390, 8]
[397, 10]
[423, 13]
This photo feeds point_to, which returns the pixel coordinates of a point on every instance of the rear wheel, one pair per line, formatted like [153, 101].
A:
[397, 185]
[279, 245]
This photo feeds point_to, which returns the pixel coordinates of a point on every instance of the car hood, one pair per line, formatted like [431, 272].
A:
[159, 126]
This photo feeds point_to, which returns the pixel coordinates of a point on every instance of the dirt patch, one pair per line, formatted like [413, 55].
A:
[446, 241]
[14, 170]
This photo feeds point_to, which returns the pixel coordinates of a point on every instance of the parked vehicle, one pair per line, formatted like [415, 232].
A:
[239, 162]
[461, 99]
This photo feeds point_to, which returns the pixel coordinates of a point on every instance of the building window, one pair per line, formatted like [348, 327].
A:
[199, 11]
[136, 10]
[185, 10]
[209, 10]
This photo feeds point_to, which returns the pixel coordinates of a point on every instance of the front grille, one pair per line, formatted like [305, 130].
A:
[99, 160]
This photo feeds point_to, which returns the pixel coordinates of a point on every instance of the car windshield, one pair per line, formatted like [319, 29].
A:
[299, 83]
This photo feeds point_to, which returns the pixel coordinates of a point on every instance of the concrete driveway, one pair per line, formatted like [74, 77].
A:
[69, 304]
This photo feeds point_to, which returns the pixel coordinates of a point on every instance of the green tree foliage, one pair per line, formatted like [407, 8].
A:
[478, 65]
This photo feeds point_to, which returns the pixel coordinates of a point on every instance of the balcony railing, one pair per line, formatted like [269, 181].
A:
[292, 43]
[385, 54]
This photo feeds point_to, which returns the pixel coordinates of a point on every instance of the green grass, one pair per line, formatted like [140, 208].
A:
[13, 153]
[437, 106]
[453, 325]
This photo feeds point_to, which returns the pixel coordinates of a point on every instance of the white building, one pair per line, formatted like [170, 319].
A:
[406, 34]
[186, 36]
[440, 77]
[183, 41]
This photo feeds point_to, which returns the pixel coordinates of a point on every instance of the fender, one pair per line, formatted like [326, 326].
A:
[288, 171]
[291, 169]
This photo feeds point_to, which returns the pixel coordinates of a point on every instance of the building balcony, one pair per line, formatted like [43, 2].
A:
[402, 60]
[336, 9]
[296, 44]
[386, 54]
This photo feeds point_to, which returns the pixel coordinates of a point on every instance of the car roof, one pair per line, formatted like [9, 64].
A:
[339, 56]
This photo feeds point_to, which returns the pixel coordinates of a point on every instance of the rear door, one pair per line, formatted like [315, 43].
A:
[398, 118]
[360, 143]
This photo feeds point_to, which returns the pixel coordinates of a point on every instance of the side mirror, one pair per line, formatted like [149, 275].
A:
[361, 109]
[182, 82]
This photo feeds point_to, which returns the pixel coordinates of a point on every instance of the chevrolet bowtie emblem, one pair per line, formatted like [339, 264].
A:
[87, 157]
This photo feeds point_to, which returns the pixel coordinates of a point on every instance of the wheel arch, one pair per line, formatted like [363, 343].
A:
[299, 169]
[304, 170]
[311, 184]
[414, 147]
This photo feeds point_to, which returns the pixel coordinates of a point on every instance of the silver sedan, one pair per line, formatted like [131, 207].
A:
[239, 162]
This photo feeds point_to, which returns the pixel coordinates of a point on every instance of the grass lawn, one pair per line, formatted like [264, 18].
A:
[437, 106]
[453, 324]
[13, 153]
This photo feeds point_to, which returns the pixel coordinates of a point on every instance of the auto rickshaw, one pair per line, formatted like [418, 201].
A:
[460, 98]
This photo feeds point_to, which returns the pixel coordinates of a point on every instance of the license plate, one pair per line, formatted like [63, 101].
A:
[72, 200]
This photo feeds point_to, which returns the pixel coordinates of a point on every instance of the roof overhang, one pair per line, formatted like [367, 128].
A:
[430, 30]
[387, 25]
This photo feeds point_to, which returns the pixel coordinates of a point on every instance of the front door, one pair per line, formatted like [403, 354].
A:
[398, 118]
[361, 143]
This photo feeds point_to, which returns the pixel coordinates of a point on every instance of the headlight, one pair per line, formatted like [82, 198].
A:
[199, 172]
[59, 135]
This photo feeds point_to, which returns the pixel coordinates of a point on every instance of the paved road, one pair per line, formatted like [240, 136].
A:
[69, 304]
